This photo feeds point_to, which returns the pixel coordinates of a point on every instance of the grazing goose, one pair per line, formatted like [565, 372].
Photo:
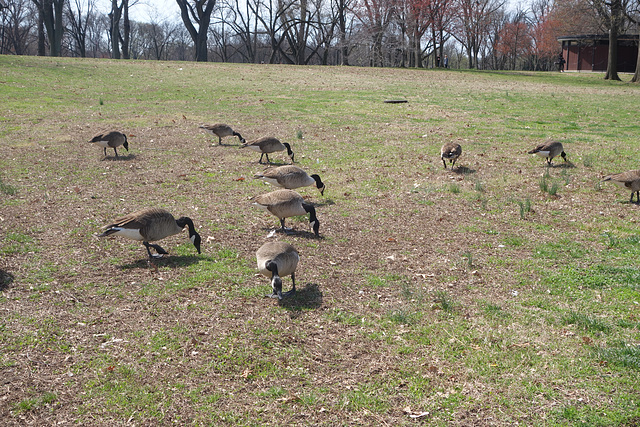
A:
[549, 150]
[287, 203]
[149, 225]
[290, 177]
[221, 130]
[111, 139]
[451, 151]
[276, 260]
[266, 145]
[629, 180]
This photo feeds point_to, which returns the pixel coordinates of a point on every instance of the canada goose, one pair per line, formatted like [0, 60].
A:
[266, 145]
[275, 260]
[549, 150]
[111, 139]
[287, 203]
[290, 177]
[629, 180]
[451, 151]
[221, 130]
[149, 225]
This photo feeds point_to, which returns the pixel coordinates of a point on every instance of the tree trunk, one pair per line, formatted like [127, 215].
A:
[50, 12]
[41, 40]
[201, 14]
[342, 25]
[614, 28]
[636, 75]
[116, 13]
[126, 27]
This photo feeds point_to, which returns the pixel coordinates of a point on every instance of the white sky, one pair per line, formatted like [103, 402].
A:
[146, 10]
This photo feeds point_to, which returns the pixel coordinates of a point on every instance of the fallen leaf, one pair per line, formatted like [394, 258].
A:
[289, 399]
[246, 373]
[239, 179]
[420, 415]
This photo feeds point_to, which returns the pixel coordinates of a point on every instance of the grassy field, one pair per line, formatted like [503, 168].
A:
[497, 293]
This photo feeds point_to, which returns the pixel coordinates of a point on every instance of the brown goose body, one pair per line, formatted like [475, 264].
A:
[549, 150]
[629, 180]
[287, 203]
[111, 139]
[290, 177]
[276, 260]
[150, 225]
[450, 151]
[221, 131]
[267, 145]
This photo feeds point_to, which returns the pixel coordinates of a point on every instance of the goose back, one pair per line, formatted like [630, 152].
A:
[288, 176]
[283, 254]
[148, 225]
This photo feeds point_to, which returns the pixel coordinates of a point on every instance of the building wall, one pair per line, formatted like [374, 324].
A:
[591, 55]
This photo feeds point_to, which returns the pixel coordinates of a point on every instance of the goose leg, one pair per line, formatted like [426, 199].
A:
[444, 162]
[157, 248]
[631, 199]
[293, 289]
[115, 151]
[105, 151]
[261, 156]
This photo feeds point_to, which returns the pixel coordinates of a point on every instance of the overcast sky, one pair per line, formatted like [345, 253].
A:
[146, 10]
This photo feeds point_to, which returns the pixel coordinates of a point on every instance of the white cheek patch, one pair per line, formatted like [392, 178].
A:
[543, 153]
[312, 224]
[129, 233]
[193, 239]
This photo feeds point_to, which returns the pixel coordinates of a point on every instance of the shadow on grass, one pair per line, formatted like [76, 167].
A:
[166, 261]
[307, 298]
[463, 170]
[563, 165]
[325, 202]
[292, 232]
[120, 158]
[6, 279]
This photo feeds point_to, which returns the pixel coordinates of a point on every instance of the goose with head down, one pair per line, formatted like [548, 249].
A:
[276, 260]
[149, 225]
[112, 139]
[267, 145]
[290, 177]
[221, 131]
[287, 203]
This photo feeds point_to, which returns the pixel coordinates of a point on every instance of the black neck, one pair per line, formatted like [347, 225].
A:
[311, 211]
[272, 267]
[186, 221]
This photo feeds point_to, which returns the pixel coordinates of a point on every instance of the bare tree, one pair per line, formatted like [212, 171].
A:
[78, 22]
[200, 12]
[242, 20]
[274, 22]
[375, 16]
[51, 12]
[471, 25]
[114, 31]
[17, 20]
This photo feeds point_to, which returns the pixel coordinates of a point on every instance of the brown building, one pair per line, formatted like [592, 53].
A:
[590, 52]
